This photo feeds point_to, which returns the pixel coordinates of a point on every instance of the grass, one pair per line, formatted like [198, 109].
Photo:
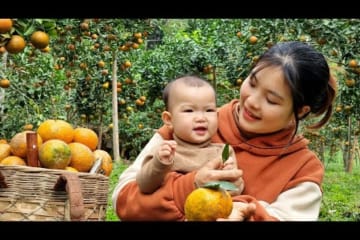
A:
[341, 199]
[118, 168]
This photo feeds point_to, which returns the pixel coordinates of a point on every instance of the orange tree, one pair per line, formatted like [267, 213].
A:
[150, 52]
[21, 103]
[336, 38]
[73, 80]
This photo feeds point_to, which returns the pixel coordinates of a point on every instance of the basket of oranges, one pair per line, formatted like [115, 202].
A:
[41, 194]
[53, 179]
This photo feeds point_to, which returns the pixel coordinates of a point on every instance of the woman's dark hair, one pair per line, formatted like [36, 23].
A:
[308, 75]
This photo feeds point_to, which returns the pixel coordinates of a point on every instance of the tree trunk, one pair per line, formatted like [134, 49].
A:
[100, 132]
[2, 91]
[115, 118]
[349, 144]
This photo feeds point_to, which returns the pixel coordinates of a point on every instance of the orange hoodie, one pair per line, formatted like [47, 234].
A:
[270, 165]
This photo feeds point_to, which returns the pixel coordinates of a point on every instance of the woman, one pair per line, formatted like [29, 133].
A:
[282, 176]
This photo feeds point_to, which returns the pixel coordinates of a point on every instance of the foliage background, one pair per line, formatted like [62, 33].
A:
[67, 82]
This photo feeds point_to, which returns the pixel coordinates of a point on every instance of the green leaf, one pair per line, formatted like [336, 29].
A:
[221, 184]
[225, 152]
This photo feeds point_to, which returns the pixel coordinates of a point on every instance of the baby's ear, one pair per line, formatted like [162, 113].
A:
[166, 117]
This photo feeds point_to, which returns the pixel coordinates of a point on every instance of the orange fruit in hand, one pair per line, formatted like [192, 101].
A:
[16, 44]
[54, 154]
[207, 204]
[40, 39]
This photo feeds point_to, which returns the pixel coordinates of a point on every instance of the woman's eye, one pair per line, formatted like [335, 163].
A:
[271, 102]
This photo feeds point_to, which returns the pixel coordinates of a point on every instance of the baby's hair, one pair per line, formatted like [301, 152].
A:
[189, 80]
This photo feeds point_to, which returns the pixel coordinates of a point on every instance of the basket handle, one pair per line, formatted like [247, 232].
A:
[71, 183]
[2, 181]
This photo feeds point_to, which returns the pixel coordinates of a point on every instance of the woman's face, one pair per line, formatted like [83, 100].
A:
[265, 103]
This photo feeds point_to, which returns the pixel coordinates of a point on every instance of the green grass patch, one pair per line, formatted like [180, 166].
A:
[341, 199]
[118, 168]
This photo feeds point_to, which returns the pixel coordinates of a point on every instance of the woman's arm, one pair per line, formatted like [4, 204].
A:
[300, 203]
[130, 173]
[167, 203]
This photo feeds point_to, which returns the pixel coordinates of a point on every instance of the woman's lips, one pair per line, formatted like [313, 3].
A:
[249, 116]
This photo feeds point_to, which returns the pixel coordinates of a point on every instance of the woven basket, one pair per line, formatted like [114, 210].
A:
[41, 194]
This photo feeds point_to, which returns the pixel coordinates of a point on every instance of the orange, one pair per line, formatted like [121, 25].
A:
[135, 46]
[107, 163]
[5, 25]
[138, 35]
[56, 129]
[46, 49]
[101, 64]
[71, 169]
[28, 126]
[16, 44]
[84, 26]
[4, 150]
[13, 160]
[2, 50]
[353, 63]
[82, 158]
[86, 136]
[4, 83]
[206, 204]
[253, 39]
[40, 39]
[127, 64]
[55, 154]
[350, 82]
[18, 143]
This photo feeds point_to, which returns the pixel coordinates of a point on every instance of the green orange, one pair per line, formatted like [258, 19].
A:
[55, 154]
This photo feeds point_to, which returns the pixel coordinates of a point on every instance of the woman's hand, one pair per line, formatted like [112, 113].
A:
[230, 163]
[213, 171]
[240, 212]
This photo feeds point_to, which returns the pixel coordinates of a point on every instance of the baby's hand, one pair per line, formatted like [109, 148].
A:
[167, 151]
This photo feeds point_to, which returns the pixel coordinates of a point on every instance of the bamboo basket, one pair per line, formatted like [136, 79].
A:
[41, 194]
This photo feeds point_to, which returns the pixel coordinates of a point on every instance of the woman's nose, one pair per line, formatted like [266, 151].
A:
[253, 101]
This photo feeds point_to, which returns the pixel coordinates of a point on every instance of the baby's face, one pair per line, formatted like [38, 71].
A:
[193, 112]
